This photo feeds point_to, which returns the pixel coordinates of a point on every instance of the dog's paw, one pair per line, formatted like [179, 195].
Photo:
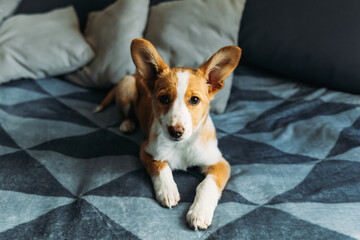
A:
[168, 195]
[199, 217]
[127, 126]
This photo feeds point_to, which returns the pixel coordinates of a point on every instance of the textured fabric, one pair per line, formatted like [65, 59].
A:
[187, 33]
[317, 42]
[110, 33]
[41, 45]
[67, 173]
[82, 7]
[7, 7]
[155, 2]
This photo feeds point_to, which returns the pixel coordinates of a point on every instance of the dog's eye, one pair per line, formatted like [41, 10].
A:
[194, 100]
[164, 99]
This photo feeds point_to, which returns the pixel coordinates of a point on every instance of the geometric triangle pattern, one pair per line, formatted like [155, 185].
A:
[51, 129]
[314, 137]
[328, 182]
[249, 152]
[78, 220]
[259, 183]
[330, 216]
[5, 150]
[266, 223]
[104, 119]
[6, 140]
[348, 139]
[9, 96]
[25, 207]
[48, 108]
[284, 114]
[22, 173]
[95, 144]
[68, 173]
[82, 175]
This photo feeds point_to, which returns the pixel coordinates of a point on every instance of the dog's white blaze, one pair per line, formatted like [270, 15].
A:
[201, 211]
[179, 113]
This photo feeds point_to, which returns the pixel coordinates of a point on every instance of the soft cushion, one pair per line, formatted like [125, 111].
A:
[110, 33]
[82, 7]
[7, 7]
[41, 45]
[313, 41]
[186, 33]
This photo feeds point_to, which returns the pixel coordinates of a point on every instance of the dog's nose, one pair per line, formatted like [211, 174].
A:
[176, 131]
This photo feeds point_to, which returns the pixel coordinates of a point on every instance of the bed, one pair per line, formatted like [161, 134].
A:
[68, 173]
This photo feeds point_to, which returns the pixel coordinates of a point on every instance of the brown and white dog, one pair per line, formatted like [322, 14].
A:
[172, 107]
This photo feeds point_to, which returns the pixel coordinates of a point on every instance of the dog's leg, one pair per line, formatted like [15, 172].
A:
[126, 95]
[165, 187]
[208, 193]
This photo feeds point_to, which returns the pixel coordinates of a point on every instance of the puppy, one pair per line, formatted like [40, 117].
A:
[172, 108]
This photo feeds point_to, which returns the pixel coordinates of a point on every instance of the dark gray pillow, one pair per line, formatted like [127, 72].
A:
[310, 40]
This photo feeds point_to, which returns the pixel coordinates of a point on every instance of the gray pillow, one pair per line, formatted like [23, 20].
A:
[110, 33]
[7, 7]
[188, 32]
[42, 45]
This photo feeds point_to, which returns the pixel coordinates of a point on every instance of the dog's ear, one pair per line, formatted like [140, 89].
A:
[147, 61]
[219, 67]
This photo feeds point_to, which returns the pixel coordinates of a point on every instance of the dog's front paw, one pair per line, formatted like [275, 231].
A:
[127, 126]
[199, 217]
[168, 195]
[165, 188]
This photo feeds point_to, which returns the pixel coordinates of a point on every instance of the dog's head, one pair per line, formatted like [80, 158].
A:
[181, 96]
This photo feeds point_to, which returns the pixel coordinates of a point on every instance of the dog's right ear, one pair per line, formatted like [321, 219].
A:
[147, 61]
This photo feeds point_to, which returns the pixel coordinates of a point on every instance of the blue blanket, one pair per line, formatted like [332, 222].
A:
[67, 173]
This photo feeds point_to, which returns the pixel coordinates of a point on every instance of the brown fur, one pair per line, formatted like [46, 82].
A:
[165, 84]
[207, 134]
[126, 99]
[107, 100]
[221, 173]
[152, 166]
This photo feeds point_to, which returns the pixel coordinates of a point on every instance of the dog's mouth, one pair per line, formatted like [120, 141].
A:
[176, 139]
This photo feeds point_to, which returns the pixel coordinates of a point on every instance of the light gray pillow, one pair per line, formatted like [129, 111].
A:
[7, 7]
[41, 45]
[188, 32]
[110, 33]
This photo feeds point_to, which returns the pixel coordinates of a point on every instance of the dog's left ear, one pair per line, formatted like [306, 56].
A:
[219, 67]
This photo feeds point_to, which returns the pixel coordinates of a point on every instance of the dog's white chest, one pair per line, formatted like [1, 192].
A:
[184, 154]
[178, 155]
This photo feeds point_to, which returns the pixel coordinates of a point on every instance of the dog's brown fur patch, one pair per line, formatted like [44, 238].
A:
[221, 173]
[152, 166]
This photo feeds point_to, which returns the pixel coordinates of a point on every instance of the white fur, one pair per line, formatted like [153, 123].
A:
[186, 153]
[179, 113]
[165, 188]
[127, 126]
[201, 211]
